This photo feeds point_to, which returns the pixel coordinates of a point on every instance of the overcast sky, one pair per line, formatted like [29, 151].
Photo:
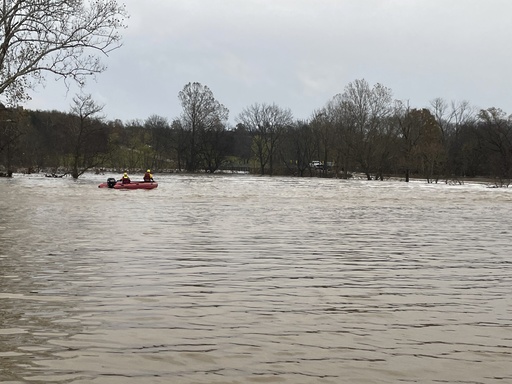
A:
[300, 53]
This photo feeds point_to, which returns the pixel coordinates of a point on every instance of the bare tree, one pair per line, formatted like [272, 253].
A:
[366, 107]
[323, 128]
[214, 146]
[451, 119]
[267, 122]
[298, 148]
[89, 138]
[337, 111]
[201, 111]
[62, 37]
[496, 131]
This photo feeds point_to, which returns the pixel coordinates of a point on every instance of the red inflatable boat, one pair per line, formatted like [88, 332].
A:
[112, 183]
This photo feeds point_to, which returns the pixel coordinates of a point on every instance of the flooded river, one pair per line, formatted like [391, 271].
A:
[243, 279]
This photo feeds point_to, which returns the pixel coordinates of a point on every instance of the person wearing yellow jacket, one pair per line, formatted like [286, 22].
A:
[148, 176]
[125, 179]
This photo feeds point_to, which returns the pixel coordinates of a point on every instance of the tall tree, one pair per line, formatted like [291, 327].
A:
[60, 37]
[338, 111]
[88, 135]
[201, 111]
[451, 120]
[267, 123]
[367, 108]
[300, 147]
[409, 122]
[324, 137]
[214, 147]
[431, 148]
[496, 132]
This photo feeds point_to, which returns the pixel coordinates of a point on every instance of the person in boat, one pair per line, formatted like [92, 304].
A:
[148, 176]
[125, 179]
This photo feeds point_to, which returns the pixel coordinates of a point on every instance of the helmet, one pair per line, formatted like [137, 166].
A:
[148, 170]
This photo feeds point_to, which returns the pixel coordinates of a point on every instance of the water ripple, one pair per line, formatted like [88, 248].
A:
[215, 279]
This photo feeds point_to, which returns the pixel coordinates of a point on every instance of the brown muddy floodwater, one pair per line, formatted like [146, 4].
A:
[242, 279]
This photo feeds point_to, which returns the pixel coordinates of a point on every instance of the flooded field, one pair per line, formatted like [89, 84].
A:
[244, 279]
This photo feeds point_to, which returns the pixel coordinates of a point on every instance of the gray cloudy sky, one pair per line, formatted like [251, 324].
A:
[300, 53]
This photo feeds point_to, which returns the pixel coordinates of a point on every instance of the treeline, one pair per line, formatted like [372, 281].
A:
[362, 130]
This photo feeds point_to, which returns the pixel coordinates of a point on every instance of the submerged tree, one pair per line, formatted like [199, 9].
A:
[496, 132]
[453, 120]
[267, 123]
[87, 134]
[201, 112]
[367, 109]
[60, 37]
[299, 149]
[324, 137]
